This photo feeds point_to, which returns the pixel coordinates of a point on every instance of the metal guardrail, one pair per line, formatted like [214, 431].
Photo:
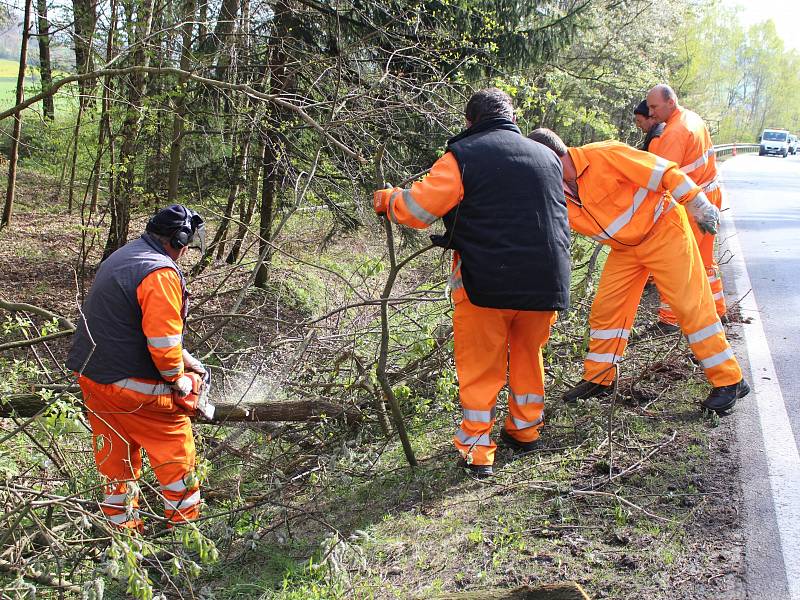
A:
[728, 149]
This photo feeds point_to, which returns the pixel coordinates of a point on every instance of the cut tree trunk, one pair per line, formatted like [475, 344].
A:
[557, 591]
[28, 405]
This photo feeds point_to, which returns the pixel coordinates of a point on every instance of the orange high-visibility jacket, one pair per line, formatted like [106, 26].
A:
[161, 297]
[427, 200]
[686, 141]
[622, 192]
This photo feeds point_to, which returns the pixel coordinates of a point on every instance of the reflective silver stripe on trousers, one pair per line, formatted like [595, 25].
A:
[415, 209]
[185, 503]
[175, 486]
[658, 173]
[683, 189]
[705, 333]
[167, 341]
[718, 295]
[717, 359]
[390, 211]
[703, 160]
[473, 440]
[713, 278]
[624, 218]
[152, 389]
[123, 518]
[479, 416]
[523, 399]
[115, 499]
[171, 372]
[603, 358]
[525, 424]
[609, 334]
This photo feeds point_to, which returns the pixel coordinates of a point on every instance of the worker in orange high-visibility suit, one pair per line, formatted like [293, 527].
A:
[626, 199]
[500, 197]
[687, 142]
[128, 352]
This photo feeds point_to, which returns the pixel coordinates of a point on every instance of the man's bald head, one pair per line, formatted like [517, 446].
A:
[662, 102]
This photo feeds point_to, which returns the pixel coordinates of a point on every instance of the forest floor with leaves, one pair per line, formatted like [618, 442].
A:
[632, 497]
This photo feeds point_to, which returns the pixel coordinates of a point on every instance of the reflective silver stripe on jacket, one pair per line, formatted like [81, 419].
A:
[705, 333]
[603, 358]
[712, 185]
[175, 486]
[609, 334]
[524, 399]
[473, 440]
[526, 424]
[167, 341]
[390, 210]
[151, 389]
[703, 160]
[415, 209]
[171, 372]
[479, 416]
[624, 218]
[657, 174]
[717, 359]
[455, 282]
[683, 189]
[185, 503]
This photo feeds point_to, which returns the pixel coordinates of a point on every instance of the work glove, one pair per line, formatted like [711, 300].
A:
[380, 200]
[183, 385]
[192, 364]
[705, 214]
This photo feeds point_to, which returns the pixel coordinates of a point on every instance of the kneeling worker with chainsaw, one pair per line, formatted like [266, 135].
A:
[139, 384]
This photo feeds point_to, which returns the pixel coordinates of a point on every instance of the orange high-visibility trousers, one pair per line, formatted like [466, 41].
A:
[705, 243]
[125, 417]
[671, 254]
[492, 344]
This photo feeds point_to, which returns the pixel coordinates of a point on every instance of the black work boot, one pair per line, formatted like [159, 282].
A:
[518, 447]
[477, 471]
[721, 399]
[586, 389]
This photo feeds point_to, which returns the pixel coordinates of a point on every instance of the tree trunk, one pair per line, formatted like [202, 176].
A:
[12, 162]
[180, 103]
[246, 210]
[123, 195]
[269, 166]
[555, 591]
[45, 70]
[85, 13]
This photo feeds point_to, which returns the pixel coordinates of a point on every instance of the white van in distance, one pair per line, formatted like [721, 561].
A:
[774, 141]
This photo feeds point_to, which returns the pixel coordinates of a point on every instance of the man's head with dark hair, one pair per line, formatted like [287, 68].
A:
[489, 103]
[549, 138]
[641, 115]
[642, 109]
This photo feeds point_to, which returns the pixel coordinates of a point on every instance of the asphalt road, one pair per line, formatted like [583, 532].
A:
[760, 246]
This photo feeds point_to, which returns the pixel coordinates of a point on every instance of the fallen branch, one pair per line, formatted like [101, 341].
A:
[39, 577]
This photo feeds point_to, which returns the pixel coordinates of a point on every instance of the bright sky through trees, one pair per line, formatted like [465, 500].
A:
[785, 14]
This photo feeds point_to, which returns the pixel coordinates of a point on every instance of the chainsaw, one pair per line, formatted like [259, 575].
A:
[197, 400]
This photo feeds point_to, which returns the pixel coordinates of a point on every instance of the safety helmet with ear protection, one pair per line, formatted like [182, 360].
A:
[183, 226]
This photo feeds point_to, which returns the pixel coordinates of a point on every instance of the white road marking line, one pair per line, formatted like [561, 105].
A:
[783, 459]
